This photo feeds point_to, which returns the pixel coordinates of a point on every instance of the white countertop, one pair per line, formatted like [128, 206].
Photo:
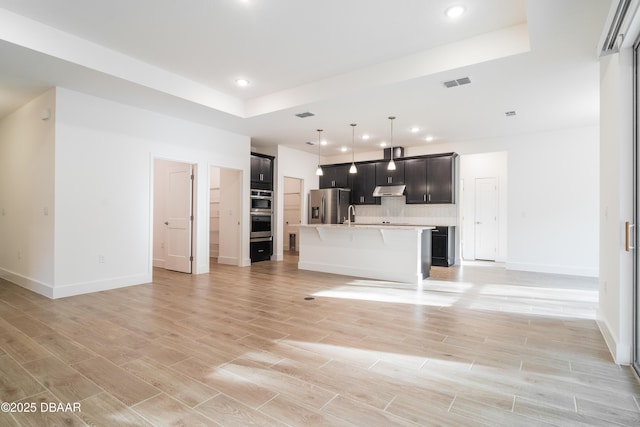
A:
[374, 226]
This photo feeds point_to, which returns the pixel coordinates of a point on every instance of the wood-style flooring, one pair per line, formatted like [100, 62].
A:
[270, 345]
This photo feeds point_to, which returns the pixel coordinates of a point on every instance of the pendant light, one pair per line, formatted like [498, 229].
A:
[392, 165]
[353, 168]
[319, 170]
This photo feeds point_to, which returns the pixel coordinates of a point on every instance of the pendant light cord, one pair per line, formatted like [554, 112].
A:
[353, 168]
[391, 165]
[319, 170]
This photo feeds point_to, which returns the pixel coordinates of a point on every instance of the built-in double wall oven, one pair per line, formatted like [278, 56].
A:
[261, 224]
[261, 201]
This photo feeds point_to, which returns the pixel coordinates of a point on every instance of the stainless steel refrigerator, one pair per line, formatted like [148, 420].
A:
[329, 206]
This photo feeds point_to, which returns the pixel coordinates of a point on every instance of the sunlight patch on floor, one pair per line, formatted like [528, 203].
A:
[355, 353]
[378, 294]
[524, 299]
[542, 294]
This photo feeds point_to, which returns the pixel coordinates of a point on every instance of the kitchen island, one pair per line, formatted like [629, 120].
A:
[399, 253]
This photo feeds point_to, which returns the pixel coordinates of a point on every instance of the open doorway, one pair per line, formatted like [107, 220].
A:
[292, 215]
[225, 191]
[173, 215]
[483, 204]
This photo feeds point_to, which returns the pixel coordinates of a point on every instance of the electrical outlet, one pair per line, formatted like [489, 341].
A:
[100, 259]
[45, 211]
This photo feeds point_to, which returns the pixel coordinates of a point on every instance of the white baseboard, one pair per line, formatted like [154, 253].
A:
[621, 353]
[33, 285]
[62, 291]
[229, 260]
[100, 285]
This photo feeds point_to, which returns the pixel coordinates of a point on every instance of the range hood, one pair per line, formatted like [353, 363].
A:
[389, 190]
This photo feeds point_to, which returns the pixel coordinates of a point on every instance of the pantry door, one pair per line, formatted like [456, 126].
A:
[178, 224]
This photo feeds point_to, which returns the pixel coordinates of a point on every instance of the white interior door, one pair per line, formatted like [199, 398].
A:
[179, 217]
[486, 218]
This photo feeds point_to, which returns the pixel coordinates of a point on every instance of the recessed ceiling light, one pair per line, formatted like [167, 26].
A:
[343, 149]
[383, 144]
[324, 142]
[242, 82]
[415, 129]
[454, 11]
[365, 137]
[429, 138]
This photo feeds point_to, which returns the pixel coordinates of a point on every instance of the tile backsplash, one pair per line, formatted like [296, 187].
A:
[395, 210]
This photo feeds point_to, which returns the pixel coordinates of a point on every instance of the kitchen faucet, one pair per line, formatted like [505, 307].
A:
[351, 208]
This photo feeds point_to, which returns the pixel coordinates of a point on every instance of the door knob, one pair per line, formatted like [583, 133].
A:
[166, 223]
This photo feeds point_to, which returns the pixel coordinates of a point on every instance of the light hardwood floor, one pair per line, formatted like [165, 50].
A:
[476, 345]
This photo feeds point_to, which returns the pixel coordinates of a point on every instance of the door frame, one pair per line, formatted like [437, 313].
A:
[635, 342]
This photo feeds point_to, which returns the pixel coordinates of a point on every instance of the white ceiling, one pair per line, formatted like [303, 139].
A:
[347, 61]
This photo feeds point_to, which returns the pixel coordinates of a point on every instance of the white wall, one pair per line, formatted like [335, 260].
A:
[103, 188]
[616, 192]
[553, 202]
[27, 144]
[553, 215]
[293, 164]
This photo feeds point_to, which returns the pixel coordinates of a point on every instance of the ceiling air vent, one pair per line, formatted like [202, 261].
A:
[510, 113]
[305, 114]
[457, 82]
[310, 143]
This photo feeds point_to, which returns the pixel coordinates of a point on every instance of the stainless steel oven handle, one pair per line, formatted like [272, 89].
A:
[261, 194]
[254, 213]
[261, 239]
[322, 210]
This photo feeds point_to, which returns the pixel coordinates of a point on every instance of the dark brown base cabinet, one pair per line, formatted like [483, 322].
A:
[260, 251]
[443, 246]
